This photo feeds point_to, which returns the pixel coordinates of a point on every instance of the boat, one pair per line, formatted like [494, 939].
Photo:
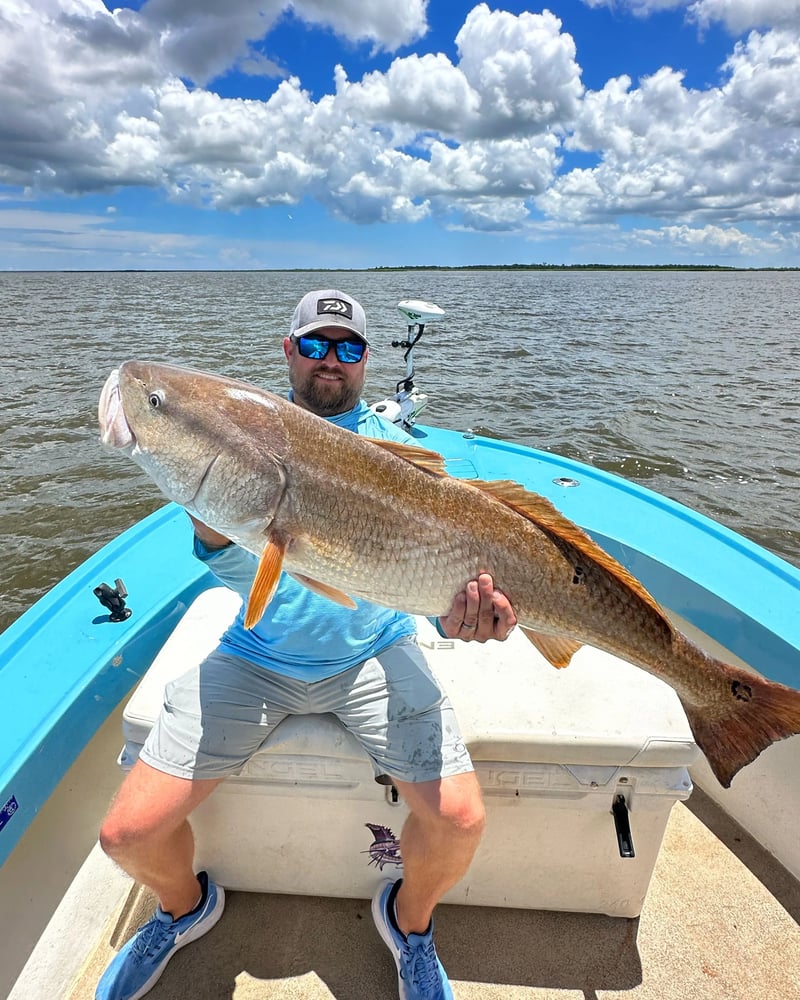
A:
[574, 910]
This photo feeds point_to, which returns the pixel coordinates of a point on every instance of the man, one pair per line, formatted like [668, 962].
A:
[307, 654]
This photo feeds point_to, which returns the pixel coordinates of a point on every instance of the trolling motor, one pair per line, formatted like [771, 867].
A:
[408, 402]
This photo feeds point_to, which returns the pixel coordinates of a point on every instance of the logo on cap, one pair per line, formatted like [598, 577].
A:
[337, 307]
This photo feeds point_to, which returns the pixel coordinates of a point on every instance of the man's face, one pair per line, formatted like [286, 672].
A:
[325, 387]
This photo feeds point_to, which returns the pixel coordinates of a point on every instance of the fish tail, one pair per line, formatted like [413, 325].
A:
[757, 713]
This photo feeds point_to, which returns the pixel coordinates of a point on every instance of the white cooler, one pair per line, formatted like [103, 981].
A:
[579, 769]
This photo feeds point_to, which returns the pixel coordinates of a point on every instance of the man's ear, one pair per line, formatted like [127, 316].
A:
[288, 347]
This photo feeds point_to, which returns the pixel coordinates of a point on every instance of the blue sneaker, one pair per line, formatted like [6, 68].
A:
[138, 966]
[420, 975]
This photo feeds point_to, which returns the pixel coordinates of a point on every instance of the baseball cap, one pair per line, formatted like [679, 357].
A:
[328, 307]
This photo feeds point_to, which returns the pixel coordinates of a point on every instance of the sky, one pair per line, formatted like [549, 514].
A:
[198, 134]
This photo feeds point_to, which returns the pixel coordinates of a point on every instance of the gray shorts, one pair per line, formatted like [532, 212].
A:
[218, 714]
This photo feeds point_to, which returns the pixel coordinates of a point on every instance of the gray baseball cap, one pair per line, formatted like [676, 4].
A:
[328, 307]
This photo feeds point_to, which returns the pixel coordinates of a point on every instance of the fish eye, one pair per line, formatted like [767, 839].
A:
[155, 399]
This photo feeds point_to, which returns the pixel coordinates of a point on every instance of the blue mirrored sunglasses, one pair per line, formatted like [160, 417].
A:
[316, 347]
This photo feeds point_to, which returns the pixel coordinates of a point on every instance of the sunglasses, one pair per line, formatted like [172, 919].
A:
[316, 347]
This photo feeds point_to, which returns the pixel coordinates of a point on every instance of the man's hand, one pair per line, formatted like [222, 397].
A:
[480, 612]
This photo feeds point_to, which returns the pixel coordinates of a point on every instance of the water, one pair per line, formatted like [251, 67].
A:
[682, 381]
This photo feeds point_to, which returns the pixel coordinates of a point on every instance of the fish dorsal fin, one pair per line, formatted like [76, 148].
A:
[423, 458]
[547, 518]
[325, 590]
[266, 579]
[556, 649]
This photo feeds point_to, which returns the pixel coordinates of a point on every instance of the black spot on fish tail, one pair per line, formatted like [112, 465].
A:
[742, 692]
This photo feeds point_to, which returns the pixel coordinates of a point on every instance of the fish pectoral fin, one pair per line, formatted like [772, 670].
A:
[423, 458]
[557, 650]
[268, 573]
[324, 590]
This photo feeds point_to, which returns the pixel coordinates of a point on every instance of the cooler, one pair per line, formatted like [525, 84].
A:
[579, 770]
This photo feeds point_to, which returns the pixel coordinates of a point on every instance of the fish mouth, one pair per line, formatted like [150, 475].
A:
[115, 431]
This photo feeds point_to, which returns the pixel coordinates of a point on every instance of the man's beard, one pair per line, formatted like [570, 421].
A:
[324, 398]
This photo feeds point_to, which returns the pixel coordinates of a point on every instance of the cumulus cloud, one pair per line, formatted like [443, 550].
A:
[387, 25]
[759, 88]
[736, 16]
[515, 75]
[672, 152]
[201, 40]
[522, 67]
[92, 99]
[740, 15]
[728, 241]
[388, 156]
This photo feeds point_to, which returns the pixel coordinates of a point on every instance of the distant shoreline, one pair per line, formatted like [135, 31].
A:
[577, 267]
[405, 267]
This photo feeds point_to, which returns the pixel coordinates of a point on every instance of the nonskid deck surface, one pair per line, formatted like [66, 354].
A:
[720, 923]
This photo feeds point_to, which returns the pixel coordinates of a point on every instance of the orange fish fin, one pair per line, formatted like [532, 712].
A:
[733, 730]
[324, 590]
[547, 518]
[423, 458]
[266, 580]
[557, 650]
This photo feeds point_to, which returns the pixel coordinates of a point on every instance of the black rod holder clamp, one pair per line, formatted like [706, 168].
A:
[623, 827]
[114, 600]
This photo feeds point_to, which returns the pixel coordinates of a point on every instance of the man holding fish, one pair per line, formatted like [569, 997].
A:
[307, 653]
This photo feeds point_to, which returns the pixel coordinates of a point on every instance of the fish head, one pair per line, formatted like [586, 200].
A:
[210, 443]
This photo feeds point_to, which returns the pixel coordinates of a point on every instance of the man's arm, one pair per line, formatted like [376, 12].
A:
[479, 613]
[208, 536]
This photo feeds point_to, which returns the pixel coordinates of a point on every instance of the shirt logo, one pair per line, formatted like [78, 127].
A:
[334, 307]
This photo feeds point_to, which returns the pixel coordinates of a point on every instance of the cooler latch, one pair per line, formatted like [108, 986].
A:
[619, 810]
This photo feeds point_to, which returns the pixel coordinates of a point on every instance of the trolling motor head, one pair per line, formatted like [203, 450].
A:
[418, 312]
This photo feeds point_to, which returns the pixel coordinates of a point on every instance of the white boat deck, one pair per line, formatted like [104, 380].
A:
[720, 923]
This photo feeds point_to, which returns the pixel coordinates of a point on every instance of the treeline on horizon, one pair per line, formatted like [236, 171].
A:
[573, 267]
[404, 267]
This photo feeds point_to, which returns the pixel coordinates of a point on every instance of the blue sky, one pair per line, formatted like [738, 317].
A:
[360, 133]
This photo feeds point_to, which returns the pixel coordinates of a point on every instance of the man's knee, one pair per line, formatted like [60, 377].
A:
[118, 834]
[131, 823]
[149, 806]
[467, 813]
[454, 803]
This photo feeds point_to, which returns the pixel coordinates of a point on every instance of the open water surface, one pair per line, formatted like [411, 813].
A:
[685, 382]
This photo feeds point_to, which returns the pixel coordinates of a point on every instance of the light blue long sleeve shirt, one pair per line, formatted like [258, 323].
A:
[301, 634]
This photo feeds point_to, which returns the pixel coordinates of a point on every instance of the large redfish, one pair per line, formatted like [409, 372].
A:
[383, 521]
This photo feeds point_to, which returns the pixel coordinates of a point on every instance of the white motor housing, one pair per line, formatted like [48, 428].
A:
[417, 311]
